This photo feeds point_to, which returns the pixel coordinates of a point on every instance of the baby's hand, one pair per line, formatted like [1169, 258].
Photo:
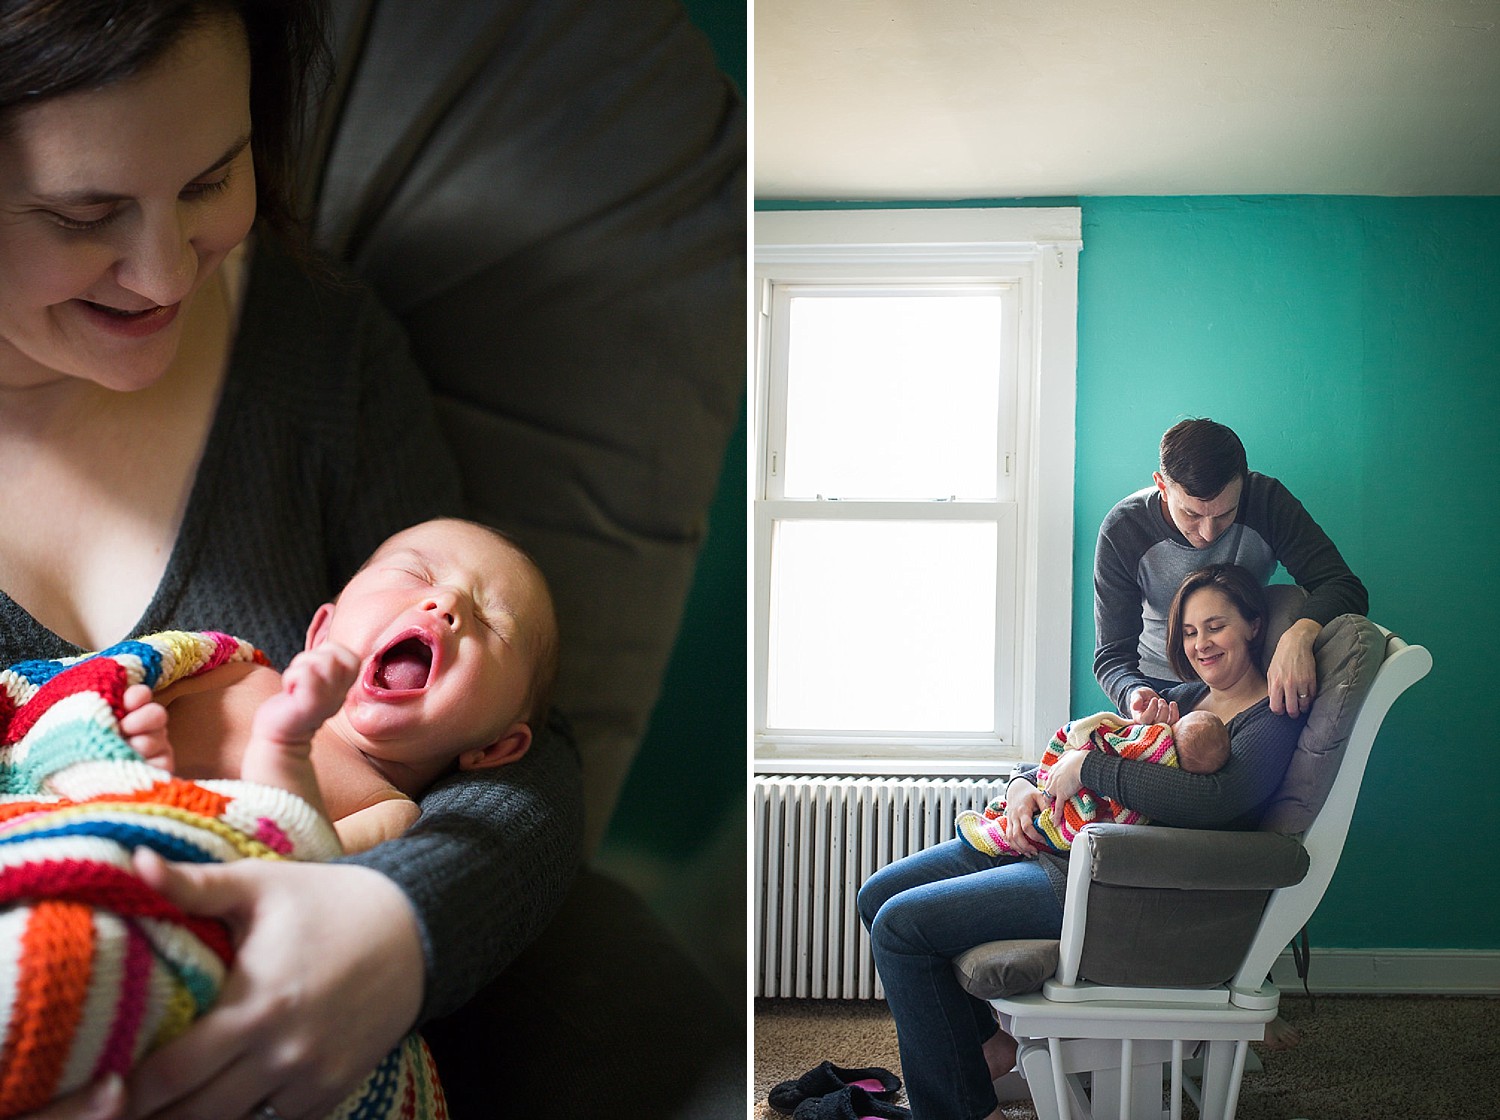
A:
[312, 689]
[144, 726]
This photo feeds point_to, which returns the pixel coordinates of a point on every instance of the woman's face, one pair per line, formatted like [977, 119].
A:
[117, 205]
[1216, 638]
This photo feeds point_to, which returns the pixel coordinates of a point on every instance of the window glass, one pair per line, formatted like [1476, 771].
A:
[882, 626]
[894, 395]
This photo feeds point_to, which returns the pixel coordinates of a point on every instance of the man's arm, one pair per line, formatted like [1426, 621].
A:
[1311, 559]
[1117, 622]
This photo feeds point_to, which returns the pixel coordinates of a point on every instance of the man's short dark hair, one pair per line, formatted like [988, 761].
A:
[1202, 456]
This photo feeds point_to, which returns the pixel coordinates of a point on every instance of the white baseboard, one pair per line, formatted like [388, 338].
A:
[1433, 972]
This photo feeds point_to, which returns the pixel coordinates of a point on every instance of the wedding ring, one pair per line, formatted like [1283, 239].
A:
[1301, 696]
[266, 1112]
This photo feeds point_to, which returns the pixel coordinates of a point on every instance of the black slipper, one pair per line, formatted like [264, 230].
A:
[850, 1103]
[829, 1078]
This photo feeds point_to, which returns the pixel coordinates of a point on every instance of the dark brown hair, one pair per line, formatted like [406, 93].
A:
[1202, 456]
[49, 48]
[1239, 587]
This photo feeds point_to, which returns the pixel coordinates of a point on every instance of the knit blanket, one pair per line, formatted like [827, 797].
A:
[1104, 731]
[97, 968]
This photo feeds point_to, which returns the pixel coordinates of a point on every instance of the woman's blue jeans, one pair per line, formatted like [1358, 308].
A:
[922, 911]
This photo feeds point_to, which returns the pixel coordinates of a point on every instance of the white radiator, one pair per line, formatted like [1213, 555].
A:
[816, 840]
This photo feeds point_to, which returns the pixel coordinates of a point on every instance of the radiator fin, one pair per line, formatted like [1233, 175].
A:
[816, 840]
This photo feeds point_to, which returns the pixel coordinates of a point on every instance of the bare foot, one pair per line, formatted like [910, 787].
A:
[144, 726]
[280, 748]
[1281, 1035]
[1000, 1054]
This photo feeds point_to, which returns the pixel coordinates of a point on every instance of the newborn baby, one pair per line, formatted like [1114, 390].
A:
[1198, 743]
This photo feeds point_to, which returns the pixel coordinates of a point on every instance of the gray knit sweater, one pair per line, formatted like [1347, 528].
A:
[1141, 560]
[324, 444]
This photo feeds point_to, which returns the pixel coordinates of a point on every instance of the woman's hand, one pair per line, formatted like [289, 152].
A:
[103, 1100]
[1023, 801]
[328, 977]
[1065, 778]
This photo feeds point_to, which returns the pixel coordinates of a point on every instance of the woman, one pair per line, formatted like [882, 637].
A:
[926, 909]
[194, 440]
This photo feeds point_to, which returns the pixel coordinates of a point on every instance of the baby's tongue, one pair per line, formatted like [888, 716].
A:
[405, 667]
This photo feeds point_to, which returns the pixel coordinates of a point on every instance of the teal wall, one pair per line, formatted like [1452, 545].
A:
[1354, 344]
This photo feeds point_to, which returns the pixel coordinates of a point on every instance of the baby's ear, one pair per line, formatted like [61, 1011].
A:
[512, 744]
[317, 630]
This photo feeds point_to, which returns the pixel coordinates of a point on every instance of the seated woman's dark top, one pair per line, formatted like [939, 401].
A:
[1234, 798]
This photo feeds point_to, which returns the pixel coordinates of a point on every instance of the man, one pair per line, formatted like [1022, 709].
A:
[1207, 507]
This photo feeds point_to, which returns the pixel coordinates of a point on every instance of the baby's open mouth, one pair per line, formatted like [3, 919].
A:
[404, 667]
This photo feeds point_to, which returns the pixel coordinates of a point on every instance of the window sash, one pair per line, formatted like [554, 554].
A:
[1034, 249]
[777, 339]
[854, 742]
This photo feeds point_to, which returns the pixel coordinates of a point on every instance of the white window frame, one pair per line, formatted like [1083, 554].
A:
[1034, 252]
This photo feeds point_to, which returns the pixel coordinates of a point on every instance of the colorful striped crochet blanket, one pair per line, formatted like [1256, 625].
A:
[96, 968]
[1104, 731]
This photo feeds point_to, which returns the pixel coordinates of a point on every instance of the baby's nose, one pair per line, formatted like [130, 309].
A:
[444, 607]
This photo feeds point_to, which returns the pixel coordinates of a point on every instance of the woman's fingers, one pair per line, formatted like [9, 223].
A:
[103, 1100]
[327, 977]
[1027, 809]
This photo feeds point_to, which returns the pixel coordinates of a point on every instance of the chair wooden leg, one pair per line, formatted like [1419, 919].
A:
[1035, 1062]
[1223, 1066]
[1241, 1048]
[1059, 1080]
[1176, 1113]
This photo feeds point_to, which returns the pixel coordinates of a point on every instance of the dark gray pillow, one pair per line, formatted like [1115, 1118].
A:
[998, 969]
[567, 253]
[1349, 652]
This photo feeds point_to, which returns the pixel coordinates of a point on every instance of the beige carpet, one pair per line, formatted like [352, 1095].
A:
[1361, 1058]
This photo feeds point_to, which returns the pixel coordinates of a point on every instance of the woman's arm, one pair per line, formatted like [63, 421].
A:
[487, 864]
[1260, 746]
[489, 860]
[337, 961]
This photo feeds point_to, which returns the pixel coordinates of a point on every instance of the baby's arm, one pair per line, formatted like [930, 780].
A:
[313, 688]
[374, 824]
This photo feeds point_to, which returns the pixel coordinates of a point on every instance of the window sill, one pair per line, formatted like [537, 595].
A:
[951, 762]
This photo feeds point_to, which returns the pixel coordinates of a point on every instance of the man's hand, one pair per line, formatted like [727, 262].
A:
[1292, 679]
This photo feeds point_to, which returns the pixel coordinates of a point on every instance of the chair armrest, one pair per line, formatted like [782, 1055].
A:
[1193, 859]
[1134, 892]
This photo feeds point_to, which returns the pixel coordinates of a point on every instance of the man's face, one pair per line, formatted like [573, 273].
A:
[1200, 520]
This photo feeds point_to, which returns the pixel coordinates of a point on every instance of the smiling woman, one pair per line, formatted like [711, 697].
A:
[121, 203]
[951, 897]
[199, 434]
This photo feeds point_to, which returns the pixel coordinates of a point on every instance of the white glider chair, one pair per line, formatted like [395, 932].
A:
[1169, 934]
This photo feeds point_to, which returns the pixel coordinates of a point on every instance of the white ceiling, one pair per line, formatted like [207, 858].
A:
[945, 99]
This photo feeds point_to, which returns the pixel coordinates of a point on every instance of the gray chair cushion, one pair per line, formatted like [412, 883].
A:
[550, 195]
[1349, 652]
[998, 969]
